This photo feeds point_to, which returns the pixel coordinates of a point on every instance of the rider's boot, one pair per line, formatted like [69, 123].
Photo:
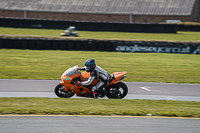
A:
[95, 95]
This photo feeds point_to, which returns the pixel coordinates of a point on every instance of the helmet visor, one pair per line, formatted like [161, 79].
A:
[88, 64]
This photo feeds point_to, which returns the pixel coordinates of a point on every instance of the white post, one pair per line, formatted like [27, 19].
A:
[130, 18]
[25, 14]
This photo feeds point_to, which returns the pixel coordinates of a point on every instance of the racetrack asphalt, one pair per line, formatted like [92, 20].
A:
[97, 124]
[137, 90]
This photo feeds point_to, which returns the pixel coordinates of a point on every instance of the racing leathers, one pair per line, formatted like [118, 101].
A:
[100, 74]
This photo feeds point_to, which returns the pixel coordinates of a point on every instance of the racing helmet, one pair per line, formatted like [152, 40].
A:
[90, 65]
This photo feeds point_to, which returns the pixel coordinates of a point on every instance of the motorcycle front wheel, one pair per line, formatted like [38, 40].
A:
[116, 91]
[60, 91]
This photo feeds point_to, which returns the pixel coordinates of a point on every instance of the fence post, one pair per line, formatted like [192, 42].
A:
[130, 18]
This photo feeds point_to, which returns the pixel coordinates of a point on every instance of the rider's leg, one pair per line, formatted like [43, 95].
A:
[98, 89]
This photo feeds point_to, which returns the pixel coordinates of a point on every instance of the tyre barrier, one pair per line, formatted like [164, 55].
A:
[182, 27]
[99, 45]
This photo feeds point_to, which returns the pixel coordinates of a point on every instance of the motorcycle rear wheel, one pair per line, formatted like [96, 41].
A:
[60, 91]
[116, 91]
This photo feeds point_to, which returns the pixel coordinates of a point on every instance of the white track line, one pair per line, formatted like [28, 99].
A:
[170, 98]
[146, 88]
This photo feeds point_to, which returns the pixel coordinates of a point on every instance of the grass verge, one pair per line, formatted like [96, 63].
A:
[141, 67]
[53, 33]
[47, 106]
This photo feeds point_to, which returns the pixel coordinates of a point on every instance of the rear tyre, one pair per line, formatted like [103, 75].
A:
[116, 91]
[60, 91]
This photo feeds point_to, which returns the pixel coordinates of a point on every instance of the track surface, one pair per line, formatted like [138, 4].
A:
[95, 124]
[137, 90]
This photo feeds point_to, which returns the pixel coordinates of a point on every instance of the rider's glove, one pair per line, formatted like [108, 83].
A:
[78, 83]
[81, 68]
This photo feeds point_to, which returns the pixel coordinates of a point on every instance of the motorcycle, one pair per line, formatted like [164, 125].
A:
[67, 87]
[70, 32]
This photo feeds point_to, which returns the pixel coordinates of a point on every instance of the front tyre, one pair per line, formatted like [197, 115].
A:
[60, 91]
[116, 91]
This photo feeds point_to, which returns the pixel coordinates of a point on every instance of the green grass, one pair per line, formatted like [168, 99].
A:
[141, 67]
[82, 106]
[189, 23]
[23, 32]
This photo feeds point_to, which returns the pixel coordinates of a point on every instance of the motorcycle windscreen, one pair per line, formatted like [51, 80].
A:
[71, 71]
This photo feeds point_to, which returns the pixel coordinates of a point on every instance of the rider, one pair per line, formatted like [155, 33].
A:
[96, 72]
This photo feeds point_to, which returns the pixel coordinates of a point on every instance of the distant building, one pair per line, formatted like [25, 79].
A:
[136, 11]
